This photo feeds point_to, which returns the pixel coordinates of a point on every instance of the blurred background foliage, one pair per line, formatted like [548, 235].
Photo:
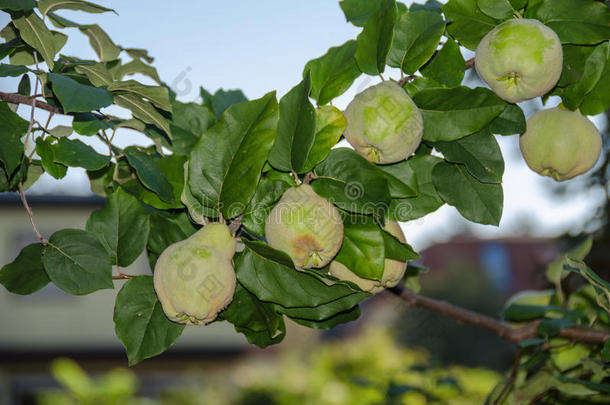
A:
[370, 368]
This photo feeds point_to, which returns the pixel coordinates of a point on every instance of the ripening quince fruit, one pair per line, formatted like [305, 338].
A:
[520, 59]
[194, 278]
[306, 227]
[393, 270]
[383, 124]
[560, 144]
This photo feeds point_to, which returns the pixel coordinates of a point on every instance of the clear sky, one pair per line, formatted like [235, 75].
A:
[261, 46]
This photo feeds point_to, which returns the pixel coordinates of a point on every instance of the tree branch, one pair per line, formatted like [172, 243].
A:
[512, 334]
[31, 215]
[19, 99]
[470, 63]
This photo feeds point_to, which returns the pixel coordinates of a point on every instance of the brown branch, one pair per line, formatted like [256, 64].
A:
[507, 332]
[123, 276]
[470, 63]
[31, 215]
[19, 99]
[235, 225]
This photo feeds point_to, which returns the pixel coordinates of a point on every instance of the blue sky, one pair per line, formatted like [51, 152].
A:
[261, 46]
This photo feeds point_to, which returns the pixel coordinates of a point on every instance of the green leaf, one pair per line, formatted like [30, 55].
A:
[430, 5]
[325, 312]
[61, 131]
[222, 100]
[76, 97]
[139, 321]
[25, 275]
[158, 95]
[12, 70]
[450, 114]
[394, 249]
[498, 9]
[122, 227]
[74, 153]
[416, 38]
[362, 250]
[269, 274]
[555, 270]
[61, 22]
[352, 183]
[257, 320]
[25, 86]
[97, 73]
[333, 73]
[143, 110]
[189, 121]
[36, 34]
[583, 22]
[268, 193]
[149, 174]
[17, 5]
[47, 6]
[77, 262]
[329, 323]
[296, 129]
[476, 201]
[447, 66]
[101, 43]
[402, 181]
[12, 128]
[137, 66]
[510, 121]
[479, 152]
[592, 92]
[166, 230]
[428, 200]
[358, 12]
[88, 124]
[330, 124]
[373, 43]
[468, 24]
[46, 151]
[226, 164]
[551, 327]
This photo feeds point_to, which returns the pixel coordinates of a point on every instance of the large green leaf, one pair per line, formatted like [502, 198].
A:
[149, 173]
[122, 226]
[226, 164]
[583, 22]
[270, 275]
[101, 43]
[46, 150]
[74, 153]
[447, 66]
[330, 124]
[352, 183]
[12, 70]
[139, 321]
[362, 250]
[296, 129]
[479, 152]
[402, 180]
[166, 230]
[36, 34]
[476, 201]
[12, 128]
[592, 92]
[47, 6]
[358, 12]
[468, 25]
[257, 320]
[222, 100]
[328, 323]
[416, 37]
[450, 114]
[427, 200]
[373, 43]
[268, 193]
[333, 73]
[136, 66]
[97, 73]
[77, 97]
[158, 95]
[77, 262]
[498, 9]
[25, 275]
[17, 5]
